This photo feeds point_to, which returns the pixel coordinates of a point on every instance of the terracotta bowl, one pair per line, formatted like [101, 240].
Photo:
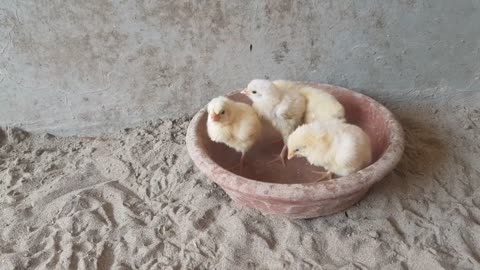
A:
[295, 191]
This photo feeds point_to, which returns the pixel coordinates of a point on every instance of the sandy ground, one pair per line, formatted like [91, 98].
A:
[135, 201]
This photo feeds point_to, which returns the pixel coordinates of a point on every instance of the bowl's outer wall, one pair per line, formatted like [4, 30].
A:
[308, 209]
[308, 199]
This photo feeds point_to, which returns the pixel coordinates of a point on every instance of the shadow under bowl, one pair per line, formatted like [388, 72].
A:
[294, 191]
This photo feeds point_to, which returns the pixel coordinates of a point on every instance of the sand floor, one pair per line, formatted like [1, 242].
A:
[136, 201]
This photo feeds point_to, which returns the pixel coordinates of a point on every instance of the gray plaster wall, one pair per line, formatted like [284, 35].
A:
[84, 67]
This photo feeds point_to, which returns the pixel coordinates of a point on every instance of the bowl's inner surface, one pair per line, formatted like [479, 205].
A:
[359, 112]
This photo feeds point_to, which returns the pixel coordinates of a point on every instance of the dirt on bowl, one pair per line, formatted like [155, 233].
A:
[295, 191]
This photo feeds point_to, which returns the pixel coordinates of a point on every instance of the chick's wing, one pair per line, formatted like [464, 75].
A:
[291, 107]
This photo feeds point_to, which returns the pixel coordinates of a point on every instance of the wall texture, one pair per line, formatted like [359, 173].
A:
[70, 66]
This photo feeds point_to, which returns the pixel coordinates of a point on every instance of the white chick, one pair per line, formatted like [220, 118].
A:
[340, 148]
[284, 110]
[234, 124]
[321, 105]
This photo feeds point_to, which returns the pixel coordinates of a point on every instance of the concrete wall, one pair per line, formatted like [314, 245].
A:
[71, 66]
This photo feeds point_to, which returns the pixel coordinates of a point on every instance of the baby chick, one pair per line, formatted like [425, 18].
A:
[320, 104]
[340, 148]
[284, 110]
[234, 124]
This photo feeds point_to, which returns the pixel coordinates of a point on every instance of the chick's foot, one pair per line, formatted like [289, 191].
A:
[325, 175]
[239, 165]
[282, 157]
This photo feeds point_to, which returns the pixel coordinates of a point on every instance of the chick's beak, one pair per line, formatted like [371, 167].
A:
[244, 91]
[215, 117]
[290, 155]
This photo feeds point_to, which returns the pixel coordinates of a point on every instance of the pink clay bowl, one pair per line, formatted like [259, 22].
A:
[295, 191]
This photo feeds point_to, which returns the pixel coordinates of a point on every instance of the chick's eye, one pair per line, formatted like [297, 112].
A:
[296, 150]
[222, 112]
[254, 92]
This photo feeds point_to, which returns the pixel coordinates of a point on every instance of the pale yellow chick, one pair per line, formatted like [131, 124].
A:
[234, 124]
[320, 105]
[284, 110]
[340, 148]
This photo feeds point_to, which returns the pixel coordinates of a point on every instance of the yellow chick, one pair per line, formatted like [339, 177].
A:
[284, 110]
[320, 104]
[340, 148]
[234, 124]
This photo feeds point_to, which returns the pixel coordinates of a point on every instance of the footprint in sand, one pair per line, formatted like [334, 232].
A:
[112, 168]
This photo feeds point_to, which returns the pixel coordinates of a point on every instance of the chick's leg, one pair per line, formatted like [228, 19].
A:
[240, 165]
[283, 155]
[242, 162]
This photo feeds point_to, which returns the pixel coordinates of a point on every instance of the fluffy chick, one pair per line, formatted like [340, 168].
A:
[284, 110]
[234, 124]
[339, 147]
[320, 105]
